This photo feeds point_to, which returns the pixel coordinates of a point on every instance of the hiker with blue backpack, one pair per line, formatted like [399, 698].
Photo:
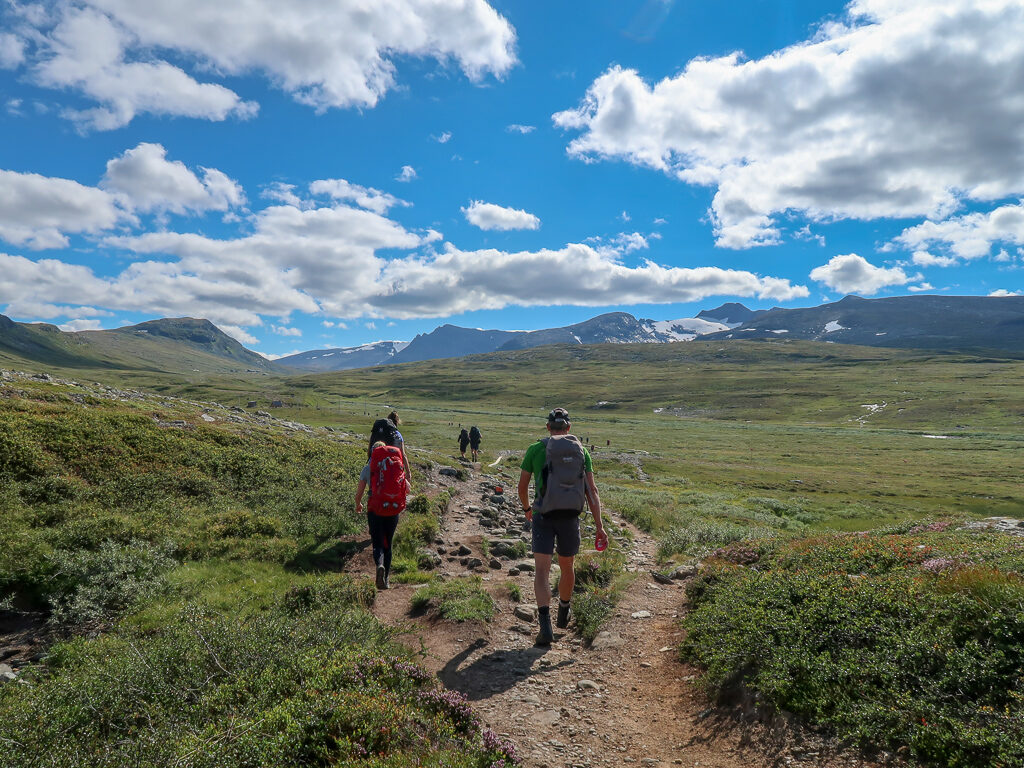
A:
[387, 474]
[563, 483]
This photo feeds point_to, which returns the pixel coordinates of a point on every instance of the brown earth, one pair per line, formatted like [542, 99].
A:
[627, 699]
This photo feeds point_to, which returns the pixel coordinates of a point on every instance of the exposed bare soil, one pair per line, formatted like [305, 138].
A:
[626, 700]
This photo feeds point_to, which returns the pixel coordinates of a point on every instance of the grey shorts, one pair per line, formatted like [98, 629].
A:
[557, 527]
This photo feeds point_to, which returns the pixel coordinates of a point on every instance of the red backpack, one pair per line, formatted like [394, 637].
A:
[387, 481]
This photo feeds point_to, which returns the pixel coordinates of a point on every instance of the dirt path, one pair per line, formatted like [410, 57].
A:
[627, 699]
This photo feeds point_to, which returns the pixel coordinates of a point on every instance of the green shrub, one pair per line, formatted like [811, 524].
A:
[699, 537]
[455, 600]
[890, 640]
[337, 591]
[591, 609]
[280, 689]
[95, 586]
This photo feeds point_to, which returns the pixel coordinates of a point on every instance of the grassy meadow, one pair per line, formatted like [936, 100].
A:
[821, 487]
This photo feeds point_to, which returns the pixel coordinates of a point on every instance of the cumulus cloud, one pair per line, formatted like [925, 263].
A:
[458, 281]
[444, 138]
[855, 274]
[523, 129]
[901, 109]
[80, 324]
[242, 336]
[150, 182]
[38, 211]
[365, 197]
[921, 287]
[12, 51]
[1004, 292]
[118, 52]
[408, 173]
[87, 52]
[970, 236]
[490, 216]
[926, 259]
[286, 330]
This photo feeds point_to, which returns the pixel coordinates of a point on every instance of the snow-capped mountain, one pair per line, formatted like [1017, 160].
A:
[686, 329]
[343, 358]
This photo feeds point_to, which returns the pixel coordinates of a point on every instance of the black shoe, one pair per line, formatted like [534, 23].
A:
[563, 616]
[545, 636]
[382, 579]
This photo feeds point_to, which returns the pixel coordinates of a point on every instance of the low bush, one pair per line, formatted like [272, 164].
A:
[289, 687]
[455, 600]
[92, 587]
[912, 640]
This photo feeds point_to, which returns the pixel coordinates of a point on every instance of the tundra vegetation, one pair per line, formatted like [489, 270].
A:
[822, 490]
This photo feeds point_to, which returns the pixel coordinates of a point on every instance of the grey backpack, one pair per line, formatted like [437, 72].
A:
[563, 475]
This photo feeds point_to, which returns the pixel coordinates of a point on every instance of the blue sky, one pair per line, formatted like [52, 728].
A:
[314, 175]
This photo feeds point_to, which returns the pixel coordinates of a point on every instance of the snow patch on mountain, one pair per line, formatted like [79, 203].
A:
[684, 329]
[833, 325]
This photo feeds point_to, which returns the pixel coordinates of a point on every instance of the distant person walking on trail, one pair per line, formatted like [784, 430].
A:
[384, 473]
[463, 442]
[564, 481]
[474, 441]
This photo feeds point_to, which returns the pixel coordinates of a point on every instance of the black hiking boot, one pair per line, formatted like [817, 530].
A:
[563, 615]
[382, 578]
[545, 636]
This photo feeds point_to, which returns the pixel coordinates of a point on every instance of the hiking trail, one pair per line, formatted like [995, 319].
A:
[625, 699]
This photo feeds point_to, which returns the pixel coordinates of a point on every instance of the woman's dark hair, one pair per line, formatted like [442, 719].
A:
[393, 418]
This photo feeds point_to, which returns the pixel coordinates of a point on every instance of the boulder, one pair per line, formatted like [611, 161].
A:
[525, 612]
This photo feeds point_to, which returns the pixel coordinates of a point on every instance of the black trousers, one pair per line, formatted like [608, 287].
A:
[382, 531]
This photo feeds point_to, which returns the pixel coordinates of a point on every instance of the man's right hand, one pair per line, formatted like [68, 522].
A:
[359, 506]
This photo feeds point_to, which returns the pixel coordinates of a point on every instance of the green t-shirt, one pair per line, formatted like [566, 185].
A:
[533, 462]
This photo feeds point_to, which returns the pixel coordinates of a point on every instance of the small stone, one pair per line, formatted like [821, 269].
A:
[474, 562]
[525, 612]
[7, 674]
[661, 578]
[464, 550]
[513, 571]
[587, 685]
[448, 472]
[526, 565]
[606, 639]
[495, 563]
[642, 615]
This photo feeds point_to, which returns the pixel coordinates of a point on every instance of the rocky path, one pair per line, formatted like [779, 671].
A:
[627, 699]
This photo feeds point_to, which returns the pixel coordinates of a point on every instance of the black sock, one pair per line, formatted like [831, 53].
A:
[563, 603]
[544, 610]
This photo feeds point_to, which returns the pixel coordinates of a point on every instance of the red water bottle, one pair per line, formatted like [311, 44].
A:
[601, 541]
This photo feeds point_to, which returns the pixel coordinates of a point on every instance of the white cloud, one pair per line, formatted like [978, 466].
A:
[324, 54]
[490, 216]
[38, 212]
[444, 138]
[12, 51]
[1004, 292]
[970, 236]
[280, 192]
[904, 108]
[921, 287]
[80, 325]
[625, 216]
[285, 330]
[149, 182]
[624, 242]
[851, 273]
[87, 52]
[926, 259]
[241, 335]
[272, 356]
[43, 311]
[458, 281]
[365, 197]
[523, 129]
[408, 173]
[334, 324]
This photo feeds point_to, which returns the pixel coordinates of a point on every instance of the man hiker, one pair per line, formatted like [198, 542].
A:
[474, 441]
[564, 481]
[463, 442]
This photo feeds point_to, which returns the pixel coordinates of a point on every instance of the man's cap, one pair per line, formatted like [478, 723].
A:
[558, 414]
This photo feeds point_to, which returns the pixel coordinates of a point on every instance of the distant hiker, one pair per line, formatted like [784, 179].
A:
[389, 487]
[474, 440]
[463, 442]
[386, 431]
[564, 482]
